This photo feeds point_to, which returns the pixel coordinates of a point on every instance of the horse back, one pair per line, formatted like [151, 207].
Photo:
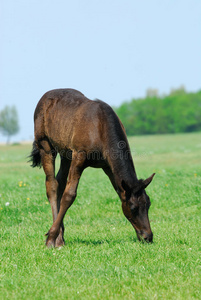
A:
[69, 120]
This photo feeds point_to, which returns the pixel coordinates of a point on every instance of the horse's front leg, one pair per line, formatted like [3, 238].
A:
[69, 195]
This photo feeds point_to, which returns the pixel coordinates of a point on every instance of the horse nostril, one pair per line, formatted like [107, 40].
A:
[148, 237]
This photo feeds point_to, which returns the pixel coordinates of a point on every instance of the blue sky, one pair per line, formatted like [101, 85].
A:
[108, 49]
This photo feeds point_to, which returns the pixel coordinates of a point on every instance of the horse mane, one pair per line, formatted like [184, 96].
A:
[118, 145]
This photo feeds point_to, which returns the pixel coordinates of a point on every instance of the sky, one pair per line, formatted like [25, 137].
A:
[113, 50]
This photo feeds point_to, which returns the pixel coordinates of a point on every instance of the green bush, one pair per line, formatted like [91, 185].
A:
[177, 112]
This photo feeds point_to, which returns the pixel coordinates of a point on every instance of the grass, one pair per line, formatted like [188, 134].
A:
[102, 258]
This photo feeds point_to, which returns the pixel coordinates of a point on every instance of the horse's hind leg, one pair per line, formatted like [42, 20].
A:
[69, 195]
[48, 162]
[61, 179]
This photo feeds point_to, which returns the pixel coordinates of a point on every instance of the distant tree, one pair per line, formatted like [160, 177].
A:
[151, 93]
[9, 124]
[178, 91]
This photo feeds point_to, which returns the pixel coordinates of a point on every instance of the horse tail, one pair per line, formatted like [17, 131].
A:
[35, 156]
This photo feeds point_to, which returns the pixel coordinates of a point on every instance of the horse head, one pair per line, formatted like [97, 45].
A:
[136, 208]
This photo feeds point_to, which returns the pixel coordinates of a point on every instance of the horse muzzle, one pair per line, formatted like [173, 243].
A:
[148, 237]
[144, 236]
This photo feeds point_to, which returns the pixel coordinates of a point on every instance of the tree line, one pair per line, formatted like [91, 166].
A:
[180, 111]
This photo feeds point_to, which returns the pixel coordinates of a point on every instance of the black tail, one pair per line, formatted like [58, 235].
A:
[35, 157]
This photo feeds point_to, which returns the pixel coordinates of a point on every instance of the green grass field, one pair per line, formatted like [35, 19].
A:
[102, 258]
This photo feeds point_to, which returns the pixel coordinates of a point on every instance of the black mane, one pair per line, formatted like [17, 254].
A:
[118, 145]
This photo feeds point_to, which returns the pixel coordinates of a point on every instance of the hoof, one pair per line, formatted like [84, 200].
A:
[50, 244]
[60, 239]
[54, 239]
[59, 242]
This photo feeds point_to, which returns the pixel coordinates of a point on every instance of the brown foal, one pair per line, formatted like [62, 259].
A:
[85, 133]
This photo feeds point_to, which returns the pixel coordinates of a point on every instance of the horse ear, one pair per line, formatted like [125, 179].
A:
[147, 181]
[126, 188]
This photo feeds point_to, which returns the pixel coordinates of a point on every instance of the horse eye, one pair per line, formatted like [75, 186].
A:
[135, 209]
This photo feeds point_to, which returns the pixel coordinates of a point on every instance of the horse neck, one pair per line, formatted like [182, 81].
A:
[121, 164]
[117, 148]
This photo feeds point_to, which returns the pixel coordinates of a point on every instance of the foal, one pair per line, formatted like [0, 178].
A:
[85, 133]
